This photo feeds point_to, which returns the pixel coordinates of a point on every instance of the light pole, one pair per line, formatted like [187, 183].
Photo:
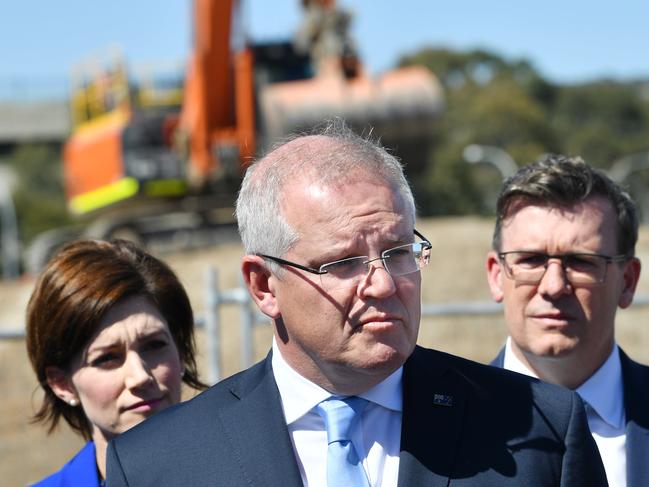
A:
[493, 156]
[488, 154]
[10, 241]
[622, 170]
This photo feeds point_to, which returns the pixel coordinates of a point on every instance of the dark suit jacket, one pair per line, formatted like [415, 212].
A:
[464, 423]
[635, 378]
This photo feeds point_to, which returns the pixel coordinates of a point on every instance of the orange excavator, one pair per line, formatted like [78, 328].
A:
[143, 153]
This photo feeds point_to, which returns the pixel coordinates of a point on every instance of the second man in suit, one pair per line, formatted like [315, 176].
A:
[563, 262]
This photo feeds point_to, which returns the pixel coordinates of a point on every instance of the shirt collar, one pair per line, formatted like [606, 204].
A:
[603, 390]
[300, 395]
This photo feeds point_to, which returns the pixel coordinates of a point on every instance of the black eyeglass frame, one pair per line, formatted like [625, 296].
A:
[320, 272]
[608, 259]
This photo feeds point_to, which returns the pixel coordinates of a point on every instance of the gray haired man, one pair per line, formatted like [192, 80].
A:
[345, 397]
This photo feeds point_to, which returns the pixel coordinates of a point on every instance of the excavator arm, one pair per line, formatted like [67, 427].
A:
[217, 120]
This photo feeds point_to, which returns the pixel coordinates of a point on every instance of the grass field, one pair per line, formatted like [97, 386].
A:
[456, 273]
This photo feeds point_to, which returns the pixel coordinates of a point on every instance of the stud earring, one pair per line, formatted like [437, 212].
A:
[73, 402]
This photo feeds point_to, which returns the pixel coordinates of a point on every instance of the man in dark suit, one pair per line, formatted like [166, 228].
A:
[333, 258]
[563, 261]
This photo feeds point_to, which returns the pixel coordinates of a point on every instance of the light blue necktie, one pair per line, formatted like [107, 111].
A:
[344, 468]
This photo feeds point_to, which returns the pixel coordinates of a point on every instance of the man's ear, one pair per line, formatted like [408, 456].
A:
[494, 276]
[259, 282]
[61, 384]
[630, 279]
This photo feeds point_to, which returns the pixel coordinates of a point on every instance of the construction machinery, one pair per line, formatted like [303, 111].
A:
[145, 158]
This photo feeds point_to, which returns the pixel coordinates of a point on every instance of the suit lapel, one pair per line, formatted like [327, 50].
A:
[636, 404]
[257, 419]
[433, 409]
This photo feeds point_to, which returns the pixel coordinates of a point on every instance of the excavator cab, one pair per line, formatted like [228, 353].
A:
[121, 148]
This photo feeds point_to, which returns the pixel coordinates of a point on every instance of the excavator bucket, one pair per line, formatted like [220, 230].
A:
[399, 106]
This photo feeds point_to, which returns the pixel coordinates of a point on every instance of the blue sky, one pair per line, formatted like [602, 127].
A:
[568, 40]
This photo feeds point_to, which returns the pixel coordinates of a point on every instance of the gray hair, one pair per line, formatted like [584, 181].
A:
[561, 181]
[262, 226]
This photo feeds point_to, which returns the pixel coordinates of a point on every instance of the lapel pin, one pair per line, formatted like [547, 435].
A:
[443, 400]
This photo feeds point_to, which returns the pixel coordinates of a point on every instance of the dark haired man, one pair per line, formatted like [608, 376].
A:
[563, 261]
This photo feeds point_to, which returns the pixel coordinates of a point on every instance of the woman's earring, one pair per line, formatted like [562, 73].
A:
[73, 402]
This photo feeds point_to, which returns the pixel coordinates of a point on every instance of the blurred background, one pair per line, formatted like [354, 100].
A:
[136, 120]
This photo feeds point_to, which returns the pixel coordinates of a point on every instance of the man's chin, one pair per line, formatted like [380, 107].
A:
[555, 350]
[386, 358]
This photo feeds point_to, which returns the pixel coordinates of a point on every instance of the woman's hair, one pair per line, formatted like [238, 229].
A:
[79, 285]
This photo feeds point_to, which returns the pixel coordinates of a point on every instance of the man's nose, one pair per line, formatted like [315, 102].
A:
[554, 282]
[378, 282]
[138, 372]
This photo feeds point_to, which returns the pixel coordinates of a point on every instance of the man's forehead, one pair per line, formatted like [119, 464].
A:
[522, 210]
[315, 178]
[300, 154]
[568, 212]
[589, 223]
[305, 189]
[354, 205]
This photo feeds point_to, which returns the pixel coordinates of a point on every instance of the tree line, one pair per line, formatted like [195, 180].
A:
[508, 104]
[489, 100]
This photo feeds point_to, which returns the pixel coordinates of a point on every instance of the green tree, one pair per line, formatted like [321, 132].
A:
[489, 101]
[602, 121]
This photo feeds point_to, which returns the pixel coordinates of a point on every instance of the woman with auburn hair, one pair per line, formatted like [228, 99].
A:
[110, 337]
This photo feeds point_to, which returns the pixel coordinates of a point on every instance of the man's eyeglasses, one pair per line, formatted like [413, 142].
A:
[348, 273]
[529, 267]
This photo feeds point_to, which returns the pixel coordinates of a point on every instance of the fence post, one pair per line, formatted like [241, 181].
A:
[213, 325]
[9, 240]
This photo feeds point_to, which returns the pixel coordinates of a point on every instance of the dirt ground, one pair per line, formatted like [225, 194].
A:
[455, 274]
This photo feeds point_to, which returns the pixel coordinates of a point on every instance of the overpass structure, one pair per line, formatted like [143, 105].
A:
[33, 121]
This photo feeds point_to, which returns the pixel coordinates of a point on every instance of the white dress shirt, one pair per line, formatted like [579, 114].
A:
[603, 394]
[376, 437]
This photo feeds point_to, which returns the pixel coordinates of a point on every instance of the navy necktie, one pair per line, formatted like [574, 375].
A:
[344, 468]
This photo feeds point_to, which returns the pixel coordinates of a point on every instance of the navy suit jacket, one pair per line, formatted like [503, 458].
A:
[635, 379]
[464, 424]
